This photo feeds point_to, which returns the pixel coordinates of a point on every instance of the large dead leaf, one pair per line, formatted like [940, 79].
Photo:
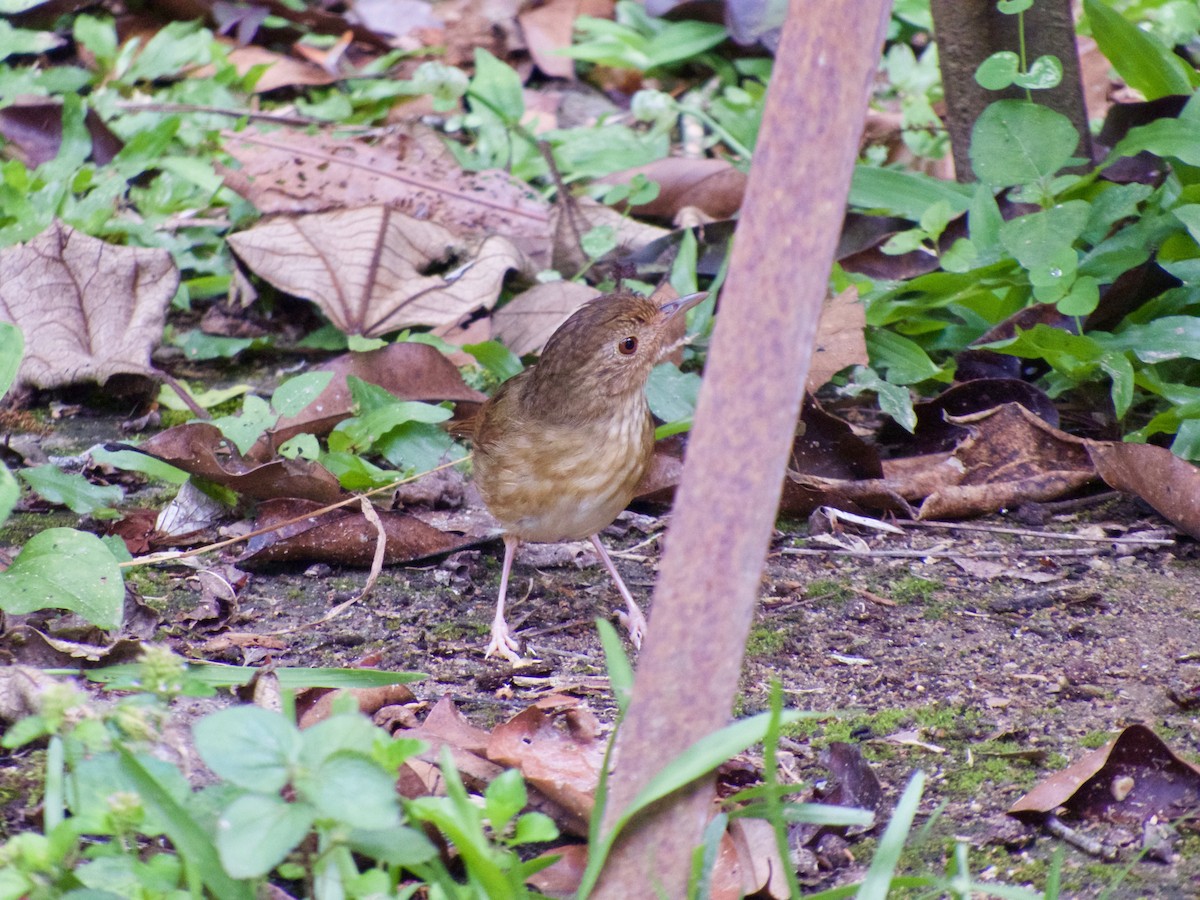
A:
[411, 172]
[89, 310]
[1131, 779]
[341, 536]
[526, 322]
[1169, 484]
[368, 268]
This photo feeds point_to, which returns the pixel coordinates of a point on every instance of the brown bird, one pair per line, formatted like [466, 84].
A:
[561, 447]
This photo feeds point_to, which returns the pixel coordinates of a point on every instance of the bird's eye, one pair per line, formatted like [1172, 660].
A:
[627, 346]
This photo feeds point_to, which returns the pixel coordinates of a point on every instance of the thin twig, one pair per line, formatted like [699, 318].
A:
[1026, 532]
[176, 555]
[935, 554]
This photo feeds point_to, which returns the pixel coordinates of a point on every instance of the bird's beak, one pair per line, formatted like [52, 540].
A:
[674, 307]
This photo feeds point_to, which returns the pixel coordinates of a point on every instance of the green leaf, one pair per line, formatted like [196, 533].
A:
[291, 397]
[998, 71]
[246, 428]
[401, 846]
[61, 568]
[419, 446]
[1082, 299]
[498, 86]
[257, 831]
[12, 349]
[504, 797]
[174, 48]
[616, 661]
[133, 461]
[496, 359]
[672, 394]
[904, 360]
[1174, 138]
[1041, 237]
[18, 41]
[935, 219]
[1162, 340]
[905, 194]
[10, 492]
[1141, 59]
[344, 731]
[683, 40]
[1017, 142]
[535, 828]
[70, 490]
[1012, 7]
[248, 746]
[187, 836]
[207, 399]
[354, 790]
[1044, 73]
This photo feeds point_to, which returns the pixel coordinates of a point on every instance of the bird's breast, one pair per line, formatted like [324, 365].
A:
[558, 482]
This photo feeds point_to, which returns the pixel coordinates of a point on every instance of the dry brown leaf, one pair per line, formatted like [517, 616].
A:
[555, 745]
[365, 268]
[1011, 456]
[525, 323]
[89, 310]
[410, 171]
[341, 536]
[712, 185]
[200, 449]
[281, 71]
[1170, 484]
[548, 28]
[840, 342]
[1132, 778]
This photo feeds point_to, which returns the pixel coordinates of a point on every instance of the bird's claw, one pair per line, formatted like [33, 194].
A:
[503, 643]
[635, 624]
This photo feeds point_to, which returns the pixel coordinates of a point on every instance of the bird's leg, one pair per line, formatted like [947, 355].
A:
[502, 642]
[635, 621]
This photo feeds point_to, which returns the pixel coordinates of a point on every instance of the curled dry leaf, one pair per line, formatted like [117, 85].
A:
[411, 172]
[1131, 779]
[1170, 484]
[1011, 456]
[341, 536]
[89, 310]
[369, 268]
[200, 449]
[525, 323]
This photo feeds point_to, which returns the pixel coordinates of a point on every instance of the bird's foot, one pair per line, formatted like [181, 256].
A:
[503, 643]
[635, 624]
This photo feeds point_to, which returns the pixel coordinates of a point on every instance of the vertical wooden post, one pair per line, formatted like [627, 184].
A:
[725, 507]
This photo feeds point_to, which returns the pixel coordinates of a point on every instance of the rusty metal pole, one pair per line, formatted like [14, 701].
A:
[725, 507]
